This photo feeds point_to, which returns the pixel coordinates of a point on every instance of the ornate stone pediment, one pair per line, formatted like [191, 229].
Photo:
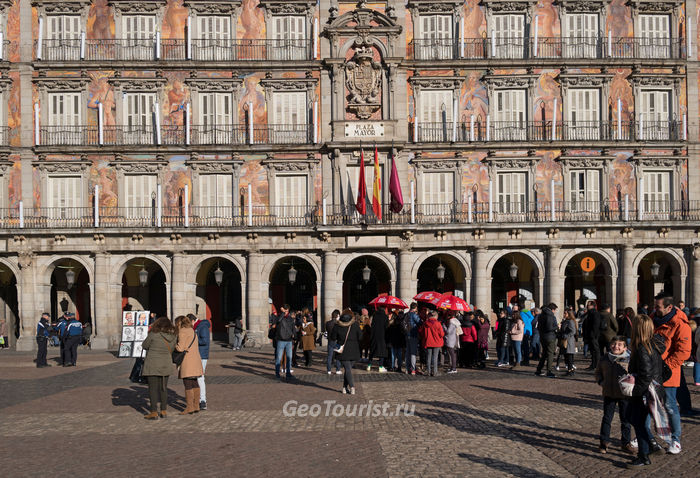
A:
[292, 164]
[60, 6]
[5, 83]
[431, 164]
[363, 79]
[509, 162]
[509, 81]
[638, 78]
[435, 6]
[365, 18]
[287, 7]
[585, 162]
[654, 6]
[213, 7]
[508, 6]
[289, 84]
[584, 80]
[581, 6]
[72, 166]
[137, 84]
[61, 83]
[132, 166]
[137, 6]
[215, 84]
[436, 82]
[214, 166]
[657, 161]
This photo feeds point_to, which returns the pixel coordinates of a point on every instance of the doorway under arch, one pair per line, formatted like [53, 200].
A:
[365, 278]
[149, 294]
[219, 289]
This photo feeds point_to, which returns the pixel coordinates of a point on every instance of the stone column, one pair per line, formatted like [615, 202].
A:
[629, 278]
[330, 285]
[481, 281]
[555, 278]
[182, 301]
[257, 305]
[106, 318]
[407, 287]
[26, 303]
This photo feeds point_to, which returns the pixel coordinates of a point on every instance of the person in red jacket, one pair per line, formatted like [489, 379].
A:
[671, 323]
[467, 349]
[433, 339]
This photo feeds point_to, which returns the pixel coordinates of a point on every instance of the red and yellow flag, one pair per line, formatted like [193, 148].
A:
[377, 188]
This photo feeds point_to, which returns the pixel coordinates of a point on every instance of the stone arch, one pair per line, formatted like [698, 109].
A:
[120, 267]
[678, 264]
[610, 260]
[349, 17]
[427, 254]
[371, 41]
[312, 259]
[526, 252]
[5, 261]
[55, 259]
[382, 256]
[235, 260]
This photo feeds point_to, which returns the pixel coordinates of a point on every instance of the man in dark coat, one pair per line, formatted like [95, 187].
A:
[547, 325]
[380, 323]
[591, 334]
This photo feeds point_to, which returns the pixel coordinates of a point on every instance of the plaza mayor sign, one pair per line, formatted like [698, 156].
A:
[364, 129]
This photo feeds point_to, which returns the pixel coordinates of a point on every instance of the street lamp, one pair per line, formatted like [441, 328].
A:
[70, 278]
[143, 276]
[513, 271]
[292, 275]
[218, 275]
[440, 272]
[366, 271]
[655, 268]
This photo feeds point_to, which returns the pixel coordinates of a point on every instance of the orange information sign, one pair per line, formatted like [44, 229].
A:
[587, 264]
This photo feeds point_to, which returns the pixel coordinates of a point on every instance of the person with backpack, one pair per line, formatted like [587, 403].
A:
[284, 334]
[410, 324]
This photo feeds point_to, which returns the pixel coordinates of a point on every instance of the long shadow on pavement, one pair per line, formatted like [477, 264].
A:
[504, 466]
[136, 397]
[548, 397]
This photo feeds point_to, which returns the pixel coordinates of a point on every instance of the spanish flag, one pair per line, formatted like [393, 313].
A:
[377, 187]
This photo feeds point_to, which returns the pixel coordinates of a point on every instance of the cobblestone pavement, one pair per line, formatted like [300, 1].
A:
[86, 421]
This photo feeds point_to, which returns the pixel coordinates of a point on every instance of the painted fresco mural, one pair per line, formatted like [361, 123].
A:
[473, 97]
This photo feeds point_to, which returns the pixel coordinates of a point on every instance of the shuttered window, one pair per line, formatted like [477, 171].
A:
[138, 189]
[289, 35]
[139, 109]
[289, 108]
[655, 114]
[655, 36]
[582, 35]
[438, 188]
[583, 114]
[63, 27]
[138, 27]
[657, 190]
[512, 192]
[215, 190]
[292, 193]
[64, 192]
[214, 38]
[436, 37]
[509, 115]
[585, 190]
[214, 109]
[435, 106]
[64, 109]
[509, 35]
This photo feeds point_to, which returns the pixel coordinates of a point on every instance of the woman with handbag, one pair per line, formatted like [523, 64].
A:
[191, 366]
[158, 364]
[347, 337]
[567, 340]
[515, 334]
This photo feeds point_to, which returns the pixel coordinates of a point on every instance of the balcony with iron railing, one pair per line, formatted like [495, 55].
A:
[247, 217]
[4, 136]
[544, 131]
[202, 135]
[209, 50]
[547, 48]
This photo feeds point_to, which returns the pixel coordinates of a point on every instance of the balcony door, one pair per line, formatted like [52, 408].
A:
[215, 196]
[288, 38]
[289, 118]
[64, 122]
[292, 199]
[63, 37]
[656, 193]
[214, 42]
[139, 192]
[138, 115]
[655, 115]
[583, 114]
[512, 194]
[435, 118]
[510, 119]
[584, 190]
[214, 122]
[139, 37]
[64, 197]
[582, 38]
[436, 39]
[438, 195]
[655, 36]
[509, 33]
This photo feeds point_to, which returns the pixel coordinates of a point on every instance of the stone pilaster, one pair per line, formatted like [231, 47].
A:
[26, 298]
[407, 287]
[257, 304]
[481, 281]
[629, 278]
[555, 279]
[182, 299]
[107, 319]
[330, 285]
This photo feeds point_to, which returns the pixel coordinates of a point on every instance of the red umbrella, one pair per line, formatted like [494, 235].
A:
[388, 301]
[452, 302]
[427, 296]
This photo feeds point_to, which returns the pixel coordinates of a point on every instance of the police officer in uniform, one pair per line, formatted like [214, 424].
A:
[61, 329]
[42, 338]
[73, 334]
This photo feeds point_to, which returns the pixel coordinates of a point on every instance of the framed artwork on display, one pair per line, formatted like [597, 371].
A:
[125, 349]
[128, 334]
[142, 317]
[137, 350]
[127, 318]
[141, 333]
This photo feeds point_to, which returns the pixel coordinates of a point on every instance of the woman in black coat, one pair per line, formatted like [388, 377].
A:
[647, 367]
[346, 333]
[378, 349]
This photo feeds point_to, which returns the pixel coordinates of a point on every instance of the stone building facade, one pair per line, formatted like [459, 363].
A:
[204, 156]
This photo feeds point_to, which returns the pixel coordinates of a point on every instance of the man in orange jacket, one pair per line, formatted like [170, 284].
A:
[672, 324]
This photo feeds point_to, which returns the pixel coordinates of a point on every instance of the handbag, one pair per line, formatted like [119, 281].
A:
[562, 343]
[339, 348]
[626, 384]
[176, 355]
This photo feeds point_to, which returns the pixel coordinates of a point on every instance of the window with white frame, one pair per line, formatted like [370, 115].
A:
[292, 195]
[583, 114]
[353, 182]
[438, 192]
[215, 194]
[512, 192]
[214, 121]
[655, 114]
[436, 41]
[435, 115]
[582, 35]
[288, 35]
[62, 37]
[139, 34]
[64, 118]
[138, 117]
[213, 40]
[509, 113]
[656, 191]
[138, 194]
[509, 35]
[654, 36]
[289, 117]
[584, 190]
[64, 195]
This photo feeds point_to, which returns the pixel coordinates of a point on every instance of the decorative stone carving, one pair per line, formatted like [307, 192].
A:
[212, 166]
[213, 7]
[324, 237]
[213, 237]
[61, 83]
[428, 164]
[509, 81]
[59, 239]
[24, 259]
[663, 232]
[589, 232]
[137, 238]
[137, 6]
[581, 6]
[440, 235]
[98, 238]
[507, 6]
[59, 6]
[176, 238]
[515, 233]
[289, 84]
[407, 235]
[479, 234]
[433, 6]
[364, 82]
[61, 166]
[654, 6]
[137, 84]
[288, 7]
[139, 166]
[553, 233]
[215, 84]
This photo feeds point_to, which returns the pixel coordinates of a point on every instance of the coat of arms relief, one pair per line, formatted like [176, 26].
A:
[363, 79]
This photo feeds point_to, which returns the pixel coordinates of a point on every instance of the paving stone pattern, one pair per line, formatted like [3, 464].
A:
[491, 422]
